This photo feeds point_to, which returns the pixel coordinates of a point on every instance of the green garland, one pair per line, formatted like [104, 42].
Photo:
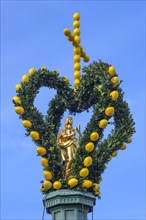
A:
[94, 91]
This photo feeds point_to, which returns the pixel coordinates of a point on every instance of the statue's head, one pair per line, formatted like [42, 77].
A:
[68, 121]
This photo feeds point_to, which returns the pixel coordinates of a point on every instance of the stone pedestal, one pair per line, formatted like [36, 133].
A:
[69, 204]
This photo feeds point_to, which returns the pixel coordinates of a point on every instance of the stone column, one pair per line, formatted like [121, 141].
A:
[68, 204]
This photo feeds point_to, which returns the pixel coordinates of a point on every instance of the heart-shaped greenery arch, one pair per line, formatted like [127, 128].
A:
[94, 91]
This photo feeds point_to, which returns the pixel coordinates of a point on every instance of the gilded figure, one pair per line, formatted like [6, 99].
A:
[67, 143]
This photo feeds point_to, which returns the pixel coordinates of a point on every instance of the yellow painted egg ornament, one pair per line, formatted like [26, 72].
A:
[76, 58]
[44, 162]
[89, 147]
[76, 16]
[31, 71]
[25, 79]
[111, 71]
[44, 68]
[87, 183]
[18, 87]
[115, 81]
[94, 136]
[77, 31]
[47, 175]
[72, 182]
[114, 95]
[26, 123]
[97, 193]
[17, 100]
[76, 83]
[47, 184]
[84, 172]
[57, 185]
[114, 154]
[41, 151]
[66, 80]
[123, 147]
[42, 189]
[103, 123]
[35, 135]
[67, 32]
[87, 161]
[76, 24]
[77, 50]
[129, 140]
[19, 110]
[109, 111]
[96, 187]
[77, 74]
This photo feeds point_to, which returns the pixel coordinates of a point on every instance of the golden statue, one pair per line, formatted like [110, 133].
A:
[68, 145]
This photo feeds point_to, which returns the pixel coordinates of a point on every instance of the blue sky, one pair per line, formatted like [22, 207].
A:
[32, 36]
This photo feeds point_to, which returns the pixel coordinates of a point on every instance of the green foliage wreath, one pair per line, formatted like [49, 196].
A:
[94, 91]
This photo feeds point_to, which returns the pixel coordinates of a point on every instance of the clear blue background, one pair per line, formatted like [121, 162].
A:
[32, 36]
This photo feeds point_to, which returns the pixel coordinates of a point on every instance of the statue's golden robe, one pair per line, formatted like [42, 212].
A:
[67, 144]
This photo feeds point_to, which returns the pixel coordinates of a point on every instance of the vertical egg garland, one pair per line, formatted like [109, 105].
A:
[78, 49]
[41, 151]
[94, 136]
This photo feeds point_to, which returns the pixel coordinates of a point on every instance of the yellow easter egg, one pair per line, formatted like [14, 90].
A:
[76, 58]
[114, 95]
[57, 185]
[97, 193]
[109, 111]
[26, 123]
[47, 184]
[77, 66]
[76, 50]
[67, 32]
[47, 175]
[41, 151]
[114, 154]
[31, 71]
[43, 68]
[44, 162]
[123, 147]
[77, 74]
[86, 59]
[87, 184]
[94, 136]
[96, 187]
[111, 71]
[35, 135]
[77, 31]
[115, 81]
[66, 80]
[17, 100]
[89, 147]
[42, 189]
[103, 123]
[76, 83]
[87, 161]
[129, 140]
[18, 87]
[76, 24]
[25, 79]
[71, 38]
[72, 182]
[77, 39]
[76, 16]
[19, 110]
[84, 172]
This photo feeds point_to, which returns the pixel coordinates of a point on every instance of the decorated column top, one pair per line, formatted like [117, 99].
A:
[69, 162]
